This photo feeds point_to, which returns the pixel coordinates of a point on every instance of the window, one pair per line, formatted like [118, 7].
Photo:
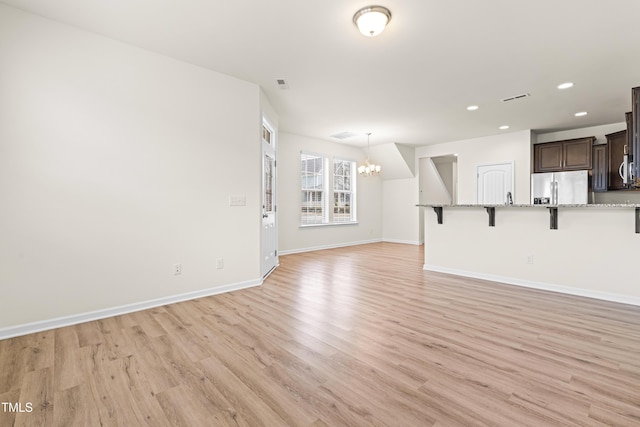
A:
[266, 134]
[343, 174]
[268, 178]
[313, 189]
[321, 186]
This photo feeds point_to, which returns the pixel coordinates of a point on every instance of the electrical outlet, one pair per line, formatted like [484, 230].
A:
[529, 259]
[177, 269]
[220, 263]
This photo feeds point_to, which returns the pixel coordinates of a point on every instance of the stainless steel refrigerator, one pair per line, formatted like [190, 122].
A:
[560, 188]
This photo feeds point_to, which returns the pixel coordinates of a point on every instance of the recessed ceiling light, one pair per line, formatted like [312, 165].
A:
[503, 127]
[566, 85]
[472, 107]
[581, 113]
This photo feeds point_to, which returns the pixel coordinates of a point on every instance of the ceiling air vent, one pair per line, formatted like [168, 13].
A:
[513, 98]
[282, 84]
[343, 135]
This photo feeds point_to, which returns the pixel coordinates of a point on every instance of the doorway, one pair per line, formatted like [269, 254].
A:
[269, 218]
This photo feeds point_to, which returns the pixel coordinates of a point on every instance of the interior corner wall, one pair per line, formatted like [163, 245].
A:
[293, 238]
[400, 215]
[432, 189]
[268, 112]
[115, 164]
[515, 146]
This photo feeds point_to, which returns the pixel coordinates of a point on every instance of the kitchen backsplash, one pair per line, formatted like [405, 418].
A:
[617, 197]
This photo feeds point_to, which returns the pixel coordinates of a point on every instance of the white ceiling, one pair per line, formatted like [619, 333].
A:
[411, 84]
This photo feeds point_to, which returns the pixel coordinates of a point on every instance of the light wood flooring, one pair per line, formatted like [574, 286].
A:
[357, 336]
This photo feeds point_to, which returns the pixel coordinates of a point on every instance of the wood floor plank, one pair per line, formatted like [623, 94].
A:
[67, 357]
[157, 372]
[244, 404]
[72, 408]
[355, 336]
[7, 417]
[37, 390]
[133, 395]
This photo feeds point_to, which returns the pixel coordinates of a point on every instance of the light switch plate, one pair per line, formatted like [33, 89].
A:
[237, 200]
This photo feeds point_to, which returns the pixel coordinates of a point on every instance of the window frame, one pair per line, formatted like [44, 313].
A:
[307, 220]
[351, 191]
[328, 215]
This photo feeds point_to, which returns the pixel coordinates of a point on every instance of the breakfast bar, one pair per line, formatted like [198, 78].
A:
[590, 250]
[553, 211]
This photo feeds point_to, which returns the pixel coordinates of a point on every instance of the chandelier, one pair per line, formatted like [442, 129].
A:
[368, 168]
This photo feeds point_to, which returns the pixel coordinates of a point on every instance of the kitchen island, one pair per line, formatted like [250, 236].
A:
[553, 211]
[590, 250]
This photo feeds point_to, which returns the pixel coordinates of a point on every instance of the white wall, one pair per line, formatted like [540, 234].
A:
[589, 254]
[399, 222]
[269, 114]
[515, 146]
[433, 189]
[115, 164]
[401, 217]
[447, 169]
[292, 237]
[598, 131]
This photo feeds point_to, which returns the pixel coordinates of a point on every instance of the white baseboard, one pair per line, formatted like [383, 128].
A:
[44, 325]
[624, 299]
[334, 246]
[404, 242]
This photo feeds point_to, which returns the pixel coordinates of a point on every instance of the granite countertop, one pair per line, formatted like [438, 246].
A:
[602, 205]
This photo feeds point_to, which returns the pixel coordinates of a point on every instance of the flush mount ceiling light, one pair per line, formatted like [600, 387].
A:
[504, 127]
[472, 107]
[372, 20]
[580, 114]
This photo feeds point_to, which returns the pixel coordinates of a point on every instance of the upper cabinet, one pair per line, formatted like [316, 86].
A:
[547, 157]
[616, 143]
[634, 129]
[599, 178]
[568, 155]
[577, 153]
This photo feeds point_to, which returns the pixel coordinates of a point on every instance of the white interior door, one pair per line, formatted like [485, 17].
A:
[269, 220]
[495, 181]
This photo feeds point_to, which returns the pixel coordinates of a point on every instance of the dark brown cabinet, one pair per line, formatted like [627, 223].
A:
[568, 155]
[634, 129]
[547, 157]
[600, 168]
[577, 153]
[616, 142]
[629, 119]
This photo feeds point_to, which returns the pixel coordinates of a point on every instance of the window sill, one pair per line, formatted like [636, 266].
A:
[328, 224]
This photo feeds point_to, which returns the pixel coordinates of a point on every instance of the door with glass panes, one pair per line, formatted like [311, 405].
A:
[269, 222]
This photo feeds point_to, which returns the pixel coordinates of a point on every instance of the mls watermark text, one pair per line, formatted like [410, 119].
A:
[16, 407]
